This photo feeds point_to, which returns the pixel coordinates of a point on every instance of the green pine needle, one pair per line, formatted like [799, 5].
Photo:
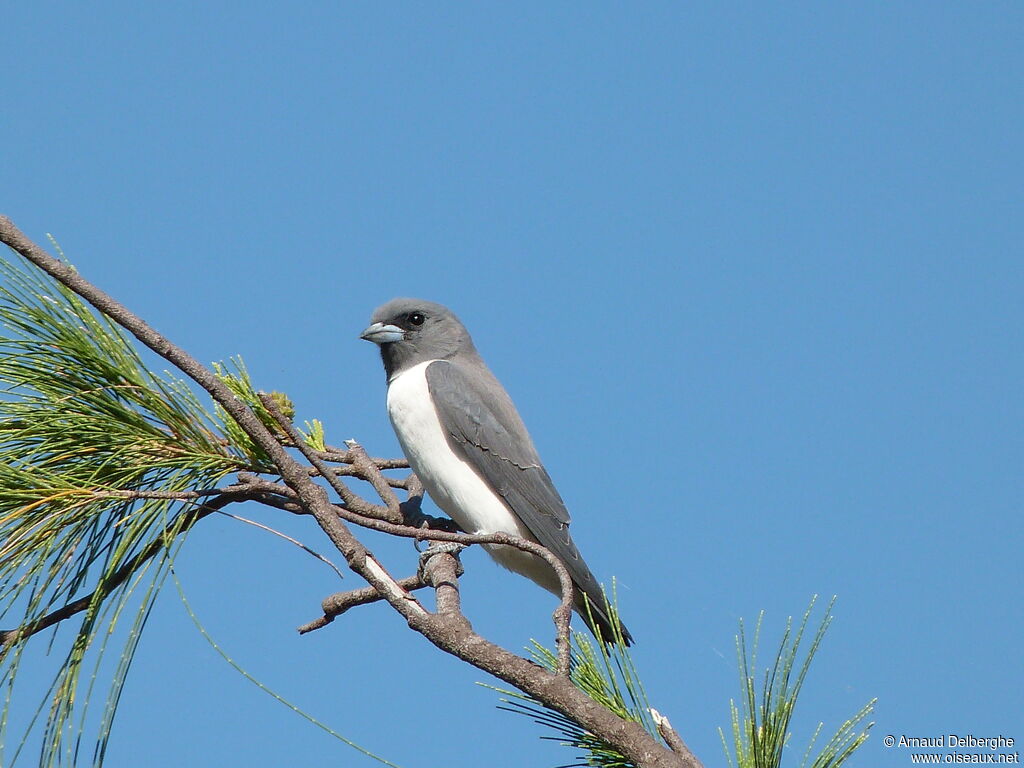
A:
[760, 725]
[83, 419]
[235, 375]
[606, 674]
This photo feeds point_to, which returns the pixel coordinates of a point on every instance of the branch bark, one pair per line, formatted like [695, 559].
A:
[562, 614]
[336, 604]
[447, 631]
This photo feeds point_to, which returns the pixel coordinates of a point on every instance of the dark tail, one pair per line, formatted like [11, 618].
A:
[597, 614]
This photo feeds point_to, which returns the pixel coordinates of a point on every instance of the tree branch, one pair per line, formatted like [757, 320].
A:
[441, 569]
[371, 473]
[346, 456]
[360, 463]
[444, 631]
[673, 739]
[562, 614]
[336, 604]
[350, 471]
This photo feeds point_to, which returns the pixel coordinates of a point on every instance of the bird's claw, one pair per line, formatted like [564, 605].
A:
[440, 548]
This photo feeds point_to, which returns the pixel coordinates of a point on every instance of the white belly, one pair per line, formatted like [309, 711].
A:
[451, 482]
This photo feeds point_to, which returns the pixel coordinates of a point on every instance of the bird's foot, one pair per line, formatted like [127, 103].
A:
[440, 548]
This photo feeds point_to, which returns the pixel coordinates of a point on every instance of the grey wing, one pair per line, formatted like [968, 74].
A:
[486, 431]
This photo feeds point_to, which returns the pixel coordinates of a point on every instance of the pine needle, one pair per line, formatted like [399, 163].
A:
[83, 418]
[760, 725]
[606, 674]
[213, 643]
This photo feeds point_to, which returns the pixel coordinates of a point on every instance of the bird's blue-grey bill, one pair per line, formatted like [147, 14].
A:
[379, 333]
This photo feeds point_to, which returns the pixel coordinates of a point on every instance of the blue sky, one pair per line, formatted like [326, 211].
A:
[752, 272]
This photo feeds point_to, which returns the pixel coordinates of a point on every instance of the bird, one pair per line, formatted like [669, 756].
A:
[466, 442]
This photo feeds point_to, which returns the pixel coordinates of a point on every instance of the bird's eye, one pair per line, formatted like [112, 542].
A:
[416, 318]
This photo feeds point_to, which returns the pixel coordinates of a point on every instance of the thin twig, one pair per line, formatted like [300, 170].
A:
[170, 495]
[454, 637]
[563, 613]
[369, 470]
[350, 499]
[413, 514]
[347, 470]
[344, 456]
[673, 739]
[284, 536]
[336, 604]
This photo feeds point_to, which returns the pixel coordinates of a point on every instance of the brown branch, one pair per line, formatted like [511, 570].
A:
[372, 474]
[278, 503]
[350, 499]
[345, 456]
[562, 614]
[350, 471]
[448, 634]
[413, 514]
[336, 604]
[169, 495]
[414, 492]
[673, 739]
[441, 569]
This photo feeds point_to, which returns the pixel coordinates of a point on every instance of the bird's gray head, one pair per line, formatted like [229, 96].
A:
[412, 331]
